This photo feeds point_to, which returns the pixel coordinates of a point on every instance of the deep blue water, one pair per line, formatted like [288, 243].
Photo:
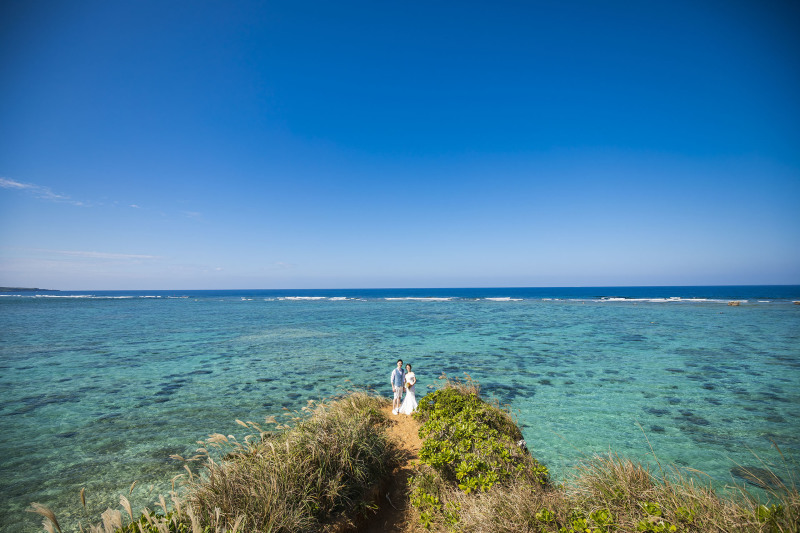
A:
[722, 292]
[100, 388]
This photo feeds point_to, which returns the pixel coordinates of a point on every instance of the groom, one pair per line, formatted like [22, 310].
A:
[398, 379]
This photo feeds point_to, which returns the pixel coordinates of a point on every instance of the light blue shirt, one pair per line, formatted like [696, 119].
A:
[398, 377]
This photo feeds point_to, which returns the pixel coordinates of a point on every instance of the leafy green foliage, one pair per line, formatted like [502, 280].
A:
[651, 508]
[654, 522]
[603, 519]
[577, 522]
[470, 444]
[656, 525]
[546, 516]
[769, 516]
[598, 521]
[685, 514]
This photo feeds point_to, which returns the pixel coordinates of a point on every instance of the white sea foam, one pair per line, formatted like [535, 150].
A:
[338, 298]
[91, 296]
[672, 299]
[68, 296]
[294, 298]
[421, 299]
[504, 299]
[654, 300]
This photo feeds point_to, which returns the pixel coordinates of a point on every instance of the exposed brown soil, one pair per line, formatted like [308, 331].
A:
[393, 514]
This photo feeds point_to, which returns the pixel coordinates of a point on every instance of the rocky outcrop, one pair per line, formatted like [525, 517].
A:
[760, 477]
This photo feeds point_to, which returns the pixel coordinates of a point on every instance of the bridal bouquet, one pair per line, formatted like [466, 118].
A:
[408, 384]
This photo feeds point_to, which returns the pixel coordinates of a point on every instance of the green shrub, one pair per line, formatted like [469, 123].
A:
[470, 445]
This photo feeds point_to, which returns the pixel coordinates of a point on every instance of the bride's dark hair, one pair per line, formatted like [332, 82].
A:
[409, 365]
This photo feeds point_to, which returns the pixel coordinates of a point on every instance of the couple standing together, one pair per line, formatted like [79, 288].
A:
[403, 380]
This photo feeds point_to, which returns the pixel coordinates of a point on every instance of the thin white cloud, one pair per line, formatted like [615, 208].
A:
[104, 255]
[11, 184]
[46, 193]
[39, 191]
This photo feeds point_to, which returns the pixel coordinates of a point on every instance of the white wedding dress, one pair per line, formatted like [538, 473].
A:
[410, 401]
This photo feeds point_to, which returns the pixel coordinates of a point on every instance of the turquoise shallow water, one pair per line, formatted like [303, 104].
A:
[100, 389]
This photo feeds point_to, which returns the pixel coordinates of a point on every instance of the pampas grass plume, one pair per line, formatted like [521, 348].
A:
[38, 508]
[123, 501]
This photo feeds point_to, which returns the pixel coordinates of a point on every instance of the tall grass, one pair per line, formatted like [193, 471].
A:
[303, 478]
[313, 475]
[643, 500]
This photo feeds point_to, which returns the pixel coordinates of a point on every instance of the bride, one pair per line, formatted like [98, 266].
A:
[410, 401]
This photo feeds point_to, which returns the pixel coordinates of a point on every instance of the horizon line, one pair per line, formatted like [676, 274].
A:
[11, 288]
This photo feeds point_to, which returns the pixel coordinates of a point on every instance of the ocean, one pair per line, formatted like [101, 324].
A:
[100, 388]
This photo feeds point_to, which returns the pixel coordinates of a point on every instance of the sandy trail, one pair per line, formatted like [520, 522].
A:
[393, 512]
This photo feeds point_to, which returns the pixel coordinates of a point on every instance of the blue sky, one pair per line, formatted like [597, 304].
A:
[205, 145]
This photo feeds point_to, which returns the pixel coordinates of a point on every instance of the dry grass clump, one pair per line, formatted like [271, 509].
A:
[640, 500]
[466, 385]
[609, 494]
[311, 476]
[506, 508]
[49, 521]
[304, 477]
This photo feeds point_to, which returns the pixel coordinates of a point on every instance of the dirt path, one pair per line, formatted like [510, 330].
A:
[392, 515]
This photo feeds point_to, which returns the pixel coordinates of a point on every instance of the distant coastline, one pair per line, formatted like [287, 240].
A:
[26, 289]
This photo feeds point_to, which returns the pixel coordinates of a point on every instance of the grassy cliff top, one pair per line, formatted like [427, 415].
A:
[474, 474]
